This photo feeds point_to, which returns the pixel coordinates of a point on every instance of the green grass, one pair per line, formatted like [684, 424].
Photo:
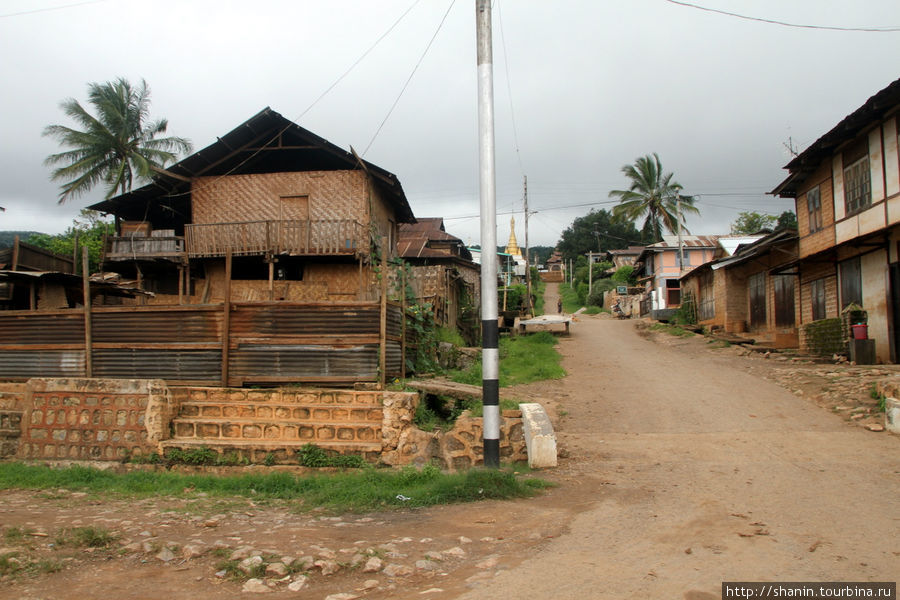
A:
[85, 537]
[523, 359]
[593, 310]
[367, 489]
[538, 287]
[444, 334]
[569, 297]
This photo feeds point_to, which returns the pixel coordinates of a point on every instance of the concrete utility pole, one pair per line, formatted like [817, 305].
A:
[680, 243]
[528, 307]
[490, 354]
[590, 273]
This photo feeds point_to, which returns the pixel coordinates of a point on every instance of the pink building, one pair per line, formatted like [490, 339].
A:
[659, 268]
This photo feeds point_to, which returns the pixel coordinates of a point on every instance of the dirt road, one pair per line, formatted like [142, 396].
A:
[692, 472]
[682, 467]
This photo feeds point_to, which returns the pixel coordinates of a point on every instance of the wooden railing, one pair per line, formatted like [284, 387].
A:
[134, 247]
[307, 237]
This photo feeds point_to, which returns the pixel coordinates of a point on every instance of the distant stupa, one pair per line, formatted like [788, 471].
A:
[512, 246]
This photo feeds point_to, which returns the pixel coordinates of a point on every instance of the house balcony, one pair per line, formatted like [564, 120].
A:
[324, 237]
[134, 247]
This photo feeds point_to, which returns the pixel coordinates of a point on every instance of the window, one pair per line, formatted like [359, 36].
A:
[814, 205]
[857, 186]
[817, 297]
[851, 282]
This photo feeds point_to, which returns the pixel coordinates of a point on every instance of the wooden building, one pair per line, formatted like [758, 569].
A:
[302, 219]
[260, 251]
[443, 274]
[750, 291]
[846, 187]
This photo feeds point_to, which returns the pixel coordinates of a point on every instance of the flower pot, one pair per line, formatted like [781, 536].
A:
[860, 331]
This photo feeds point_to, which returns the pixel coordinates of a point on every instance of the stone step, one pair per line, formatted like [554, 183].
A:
[281, 412]
[256, 451]
[276, 431]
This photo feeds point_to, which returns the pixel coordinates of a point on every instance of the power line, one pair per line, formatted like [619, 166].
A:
[308, 108]
[49, 8]
[889, 29]
[512, 112]
[403, 89]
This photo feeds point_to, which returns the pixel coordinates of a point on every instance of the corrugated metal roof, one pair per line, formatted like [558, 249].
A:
[689, 241]
[265, 143]
[801, 167]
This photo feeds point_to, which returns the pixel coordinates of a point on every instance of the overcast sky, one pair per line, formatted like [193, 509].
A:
[594, 84]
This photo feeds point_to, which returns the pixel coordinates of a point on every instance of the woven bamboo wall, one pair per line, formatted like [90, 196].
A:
[321, 282]
[256, 197]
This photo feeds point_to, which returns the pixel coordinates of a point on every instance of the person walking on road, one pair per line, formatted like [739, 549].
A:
[559, 306]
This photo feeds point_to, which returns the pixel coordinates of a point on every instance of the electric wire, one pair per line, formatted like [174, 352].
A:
[50, 8]
[408, 79]
[308, 108]
[512, 113]
[888, 29]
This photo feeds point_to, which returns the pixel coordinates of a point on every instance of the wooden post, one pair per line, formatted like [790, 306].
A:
[88, 343]
[15, 267]
[140, 282]
[187, 281]
[32, 296]
[383, 329]
[180, 284]
[226, 318]
[75, 254]
[271, 278]
[403, 323]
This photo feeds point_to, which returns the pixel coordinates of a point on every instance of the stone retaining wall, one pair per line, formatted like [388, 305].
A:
[113, 419]
[459, 448]
[93, 419]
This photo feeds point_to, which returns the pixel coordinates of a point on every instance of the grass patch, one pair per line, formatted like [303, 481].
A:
[569, 297]
[523, 359]
[356, 491]
[451, 336]
[671, 330]
[311, 455]
[538, 287]
[17, 535]
[593, 310]
[85, 537]
[876, 395]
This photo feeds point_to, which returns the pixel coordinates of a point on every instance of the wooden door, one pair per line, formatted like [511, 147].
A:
[784, 300]
[756, 286]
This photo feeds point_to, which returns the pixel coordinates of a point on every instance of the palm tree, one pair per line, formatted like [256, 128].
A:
[115, 147]
[654, 193]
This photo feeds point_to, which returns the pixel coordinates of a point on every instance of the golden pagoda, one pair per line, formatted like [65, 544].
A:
[512, 246]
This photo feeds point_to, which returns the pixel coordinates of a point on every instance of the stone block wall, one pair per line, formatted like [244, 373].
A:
[112, 419]
[12, 405]
[235, 419]
[459, 448]
[93, 419]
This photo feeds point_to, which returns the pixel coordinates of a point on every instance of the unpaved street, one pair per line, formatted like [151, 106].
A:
[682, 467]
[693, 472]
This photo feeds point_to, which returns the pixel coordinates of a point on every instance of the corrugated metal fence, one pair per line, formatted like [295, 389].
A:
[273, 342]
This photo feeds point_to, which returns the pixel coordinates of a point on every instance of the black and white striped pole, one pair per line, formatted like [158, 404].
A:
[490, 355]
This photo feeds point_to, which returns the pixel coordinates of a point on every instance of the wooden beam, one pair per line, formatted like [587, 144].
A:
[226, 318]
[86, 279]
[403, 323]
[382, 354]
